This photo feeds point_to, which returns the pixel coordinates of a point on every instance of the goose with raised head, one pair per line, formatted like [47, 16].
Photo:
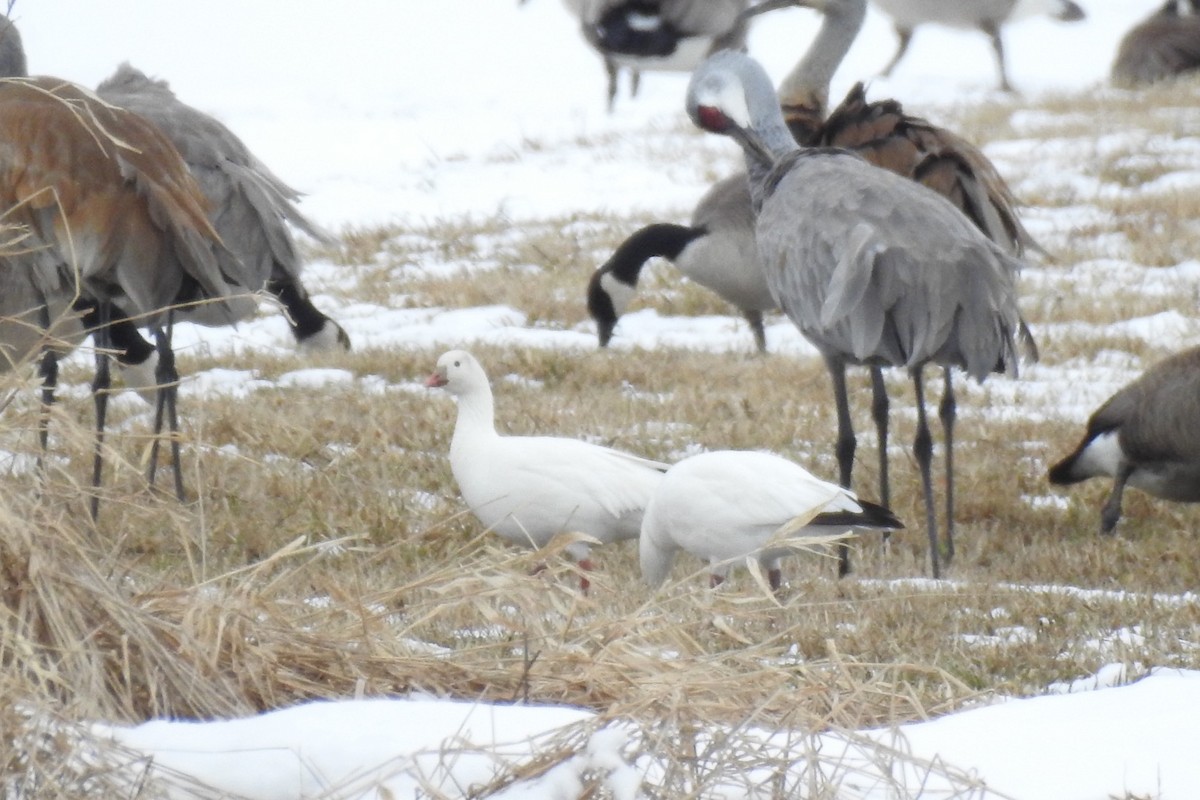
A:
[250, 207]
[657, 35]
[111, 214]
[716, 250]
[986, 16]
[727, 506]
[529, 489]
[886, 136]
[872, 268]
[1145, 436]
[1162, 46]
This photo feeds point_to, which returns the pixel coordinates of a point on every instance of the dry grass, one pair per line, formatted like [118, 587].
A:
[325, 552]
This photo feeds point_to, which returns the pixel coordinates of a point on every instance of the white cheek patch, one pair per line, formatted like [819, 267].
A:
[619, 293]
[1102, 456]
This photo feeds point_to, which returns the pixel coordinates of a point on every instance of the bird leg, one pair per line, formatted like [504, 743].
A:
[879, 412]
[905, 37]
[755, 318]
[168, 389]
[775, 579]
[587, 566]
[1111, 513]
[993, 32]
[846, 445]
[48, 369]
[715, 580]
[100, 386]
[923, 450]
[946, 413]
[611, 68]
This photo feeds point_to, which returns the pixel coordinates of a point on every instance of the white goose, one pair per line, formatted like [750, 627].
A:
[529, 489]
[729, 505]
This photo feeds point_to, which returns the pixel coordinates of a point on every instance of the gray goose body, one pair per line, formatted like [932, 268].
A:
[872, 268]
[1146, 436]
[986, 16]
[1163, 46]
[250, 207]
[717, 250]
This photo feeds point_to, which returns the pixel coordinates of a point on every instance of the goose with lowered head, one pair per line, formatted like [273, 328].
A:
[1144, 436]
[728, 506]
[529, 489]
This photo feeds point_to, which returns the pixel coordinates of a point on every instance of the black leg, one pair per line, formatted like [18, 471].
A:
[905, 36]
[48, 369]
[1111, 513]
[168, 387]
[947, 413]
[993, 32]
[100, 387]
[879, 412]
[923, 450]
[610, 67]
[755, 318]
[846, 445]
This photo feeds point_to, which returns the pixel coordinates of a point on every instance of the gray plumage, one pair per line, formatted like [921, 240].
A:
[1146, 436]
[1162, 46]
[987, 16]
[250, 207]
[717, 250]
[872, 268]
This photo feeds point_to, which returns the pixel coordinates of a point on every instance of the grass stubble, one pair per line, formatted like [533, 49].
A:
[325, 552]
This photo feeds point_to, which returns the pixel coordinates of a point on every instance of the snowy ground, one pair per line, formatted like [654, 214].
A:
[407, 111]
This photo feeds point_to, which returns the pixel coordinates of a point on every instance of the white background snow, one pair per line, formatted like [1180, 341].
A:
[413, 110]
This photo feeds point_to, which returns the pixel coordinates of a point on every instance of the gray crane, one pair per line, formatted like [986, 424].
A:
[1144, 436]
[872, 268]
[662, 35]
[250, 207]
[1165, 44]
[885, 135]
[987, 16]
[716, 250]
[112, 217]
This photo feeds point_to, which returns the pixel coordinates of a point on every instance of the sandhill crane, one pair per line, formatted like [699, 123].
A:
[883, 134]
[987, 16]
[1165, 44]
[662, 35]
[112, 216]
[872, 268]
[250, 207]
[726, 506]
[529, 489]
[716, 250]
[1144, 436]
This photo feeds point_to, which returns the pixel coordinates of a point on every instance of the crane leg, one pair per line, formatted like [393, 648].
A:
[100, 387]
[905, 37]
[880, 405]
[48, 370]
[610, 67]
[947, 413]
[168, 388]
[923, 450]
[993, 32]
[846, 445]
[755, 318]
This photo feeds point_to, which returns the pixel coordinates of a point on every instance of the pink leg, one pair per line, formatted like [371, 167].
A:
[587, 566]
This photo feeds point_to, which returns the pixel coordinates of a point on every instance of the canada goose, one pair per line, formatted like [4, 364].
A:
[1165, 44]
[988, 16]
[1145, 436]
[662, 35]
[250, 207]
[727, 505]
[111, 214]
[529, 489]
[716, 250]
[872, 268]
